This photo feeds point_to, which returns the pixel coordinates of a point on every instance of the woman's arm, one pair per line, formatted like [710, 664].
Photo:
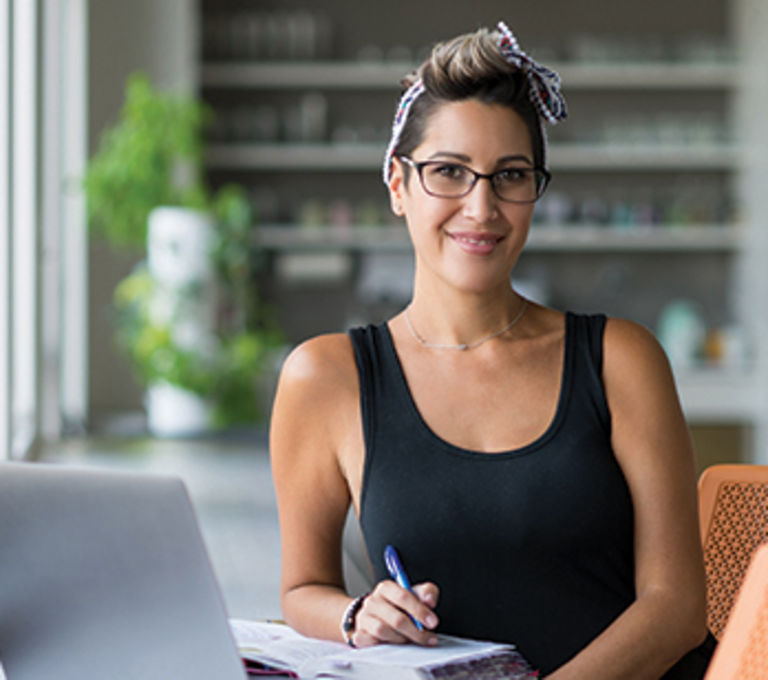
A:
[316, 446]
[652, 445]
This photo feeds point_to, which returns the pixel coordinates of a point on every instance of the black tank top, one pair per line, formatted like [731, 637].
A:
[532, 546]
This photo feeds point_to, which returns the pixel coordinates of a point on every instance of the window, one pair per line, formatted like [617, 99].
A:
[42, 241]
[5, 231]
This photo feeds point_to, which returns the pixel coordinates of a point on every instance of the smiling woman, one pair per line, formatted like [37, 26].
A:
[462, 214]
[472, 430]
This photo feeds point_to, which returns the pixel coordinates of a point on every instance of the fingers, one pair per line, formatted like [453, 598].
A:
[428, 593]
[386, 615]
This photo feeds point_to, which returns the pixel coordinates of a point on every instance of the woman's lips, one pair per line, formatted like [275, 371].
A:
[476, 243]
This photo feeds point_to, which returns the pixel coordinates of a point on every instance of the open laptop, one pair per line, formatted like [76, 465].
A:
[104, 576]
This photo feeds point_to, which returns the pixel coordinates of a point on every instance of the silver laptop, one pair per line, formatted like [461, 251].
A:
[104, 576]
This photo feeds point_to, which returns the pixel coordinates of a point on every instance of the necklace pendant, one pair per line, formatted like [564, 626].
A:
[462, 347]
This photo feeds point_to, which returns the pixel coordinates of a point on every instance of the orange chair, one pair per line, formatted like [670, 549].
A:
[733, 515]
[742, 653]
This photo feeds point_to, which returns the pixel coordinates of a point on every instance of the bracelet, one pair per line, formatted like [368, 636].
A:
[349, 617]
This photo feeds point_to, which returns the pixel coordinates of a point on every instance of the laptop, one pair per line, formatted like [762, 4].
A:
[104, 576]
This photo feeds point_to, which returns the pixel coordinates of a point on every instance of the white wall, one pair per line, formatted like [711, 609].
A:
[160, 38]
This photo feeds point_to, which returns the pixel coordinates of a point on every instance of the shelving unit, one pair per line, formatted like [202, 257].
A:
[708, 163]
[564, 157]
[543, 238]
[333, 75]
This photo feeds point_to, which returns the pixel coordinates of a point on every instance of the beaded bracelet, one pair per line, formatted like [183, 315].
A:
[349, 617]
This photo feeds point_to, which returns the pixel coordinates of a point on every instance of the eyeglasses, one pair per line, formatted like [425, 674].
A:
[513, 184]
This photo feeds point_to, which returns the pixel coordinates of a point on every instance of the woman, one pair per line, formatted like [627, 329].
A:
[533, 468]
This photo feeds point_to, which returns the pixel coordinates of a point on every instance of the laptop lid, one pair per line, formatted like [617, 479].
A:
[104, 574]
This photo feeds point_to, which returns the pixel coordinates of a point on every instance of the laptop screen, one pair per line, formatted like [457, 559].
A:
[105, 575]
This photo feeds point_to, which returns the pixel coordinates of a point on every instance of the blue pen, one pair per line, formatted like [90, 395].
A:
[396, 571]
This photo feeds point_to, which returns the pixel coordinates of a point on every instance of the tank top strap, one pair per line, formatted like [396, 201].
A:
[365, 358]
[383, 396]
[587, 332]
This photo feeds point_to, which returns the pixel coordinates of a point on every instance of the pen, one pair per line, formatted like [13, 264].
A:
[396, 571]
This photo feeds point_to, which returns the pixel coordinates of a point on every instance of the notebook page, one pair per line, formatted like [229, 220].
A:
[416, 656]
[279, 645]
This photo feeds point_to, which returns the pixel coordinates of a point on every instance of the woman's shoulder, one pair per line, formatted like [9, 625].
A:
[629, 341]
[623, 340]
[322, 360]
[317, 393]
[633, 359]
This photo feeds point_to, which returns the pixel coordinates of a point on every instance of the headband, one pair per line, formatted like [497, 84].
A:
[543, 87]
[403, 109]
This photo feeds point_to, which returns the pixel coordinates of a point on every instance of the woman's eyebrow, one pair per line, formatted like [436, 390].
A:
[515, 157]
[451, 154]
[464, 158]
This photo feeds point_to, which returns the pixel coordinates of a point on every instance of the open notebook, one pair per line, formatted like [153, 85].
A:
[272, 646]
[105, 576]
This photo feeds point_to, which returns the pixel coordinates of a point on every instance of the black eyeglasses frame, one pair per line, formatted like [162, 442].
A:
[419, 166]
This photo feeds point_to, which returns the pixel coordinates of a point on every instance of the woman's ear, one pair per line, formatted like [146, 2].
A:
[396, 188]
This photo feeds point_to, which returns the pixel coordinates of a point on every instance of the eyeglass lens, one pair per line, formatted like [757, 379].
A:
[452, 180]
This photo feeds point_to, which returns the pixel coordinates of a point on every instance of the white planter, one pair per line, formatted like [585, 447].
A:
[179, 243]
[174, 412]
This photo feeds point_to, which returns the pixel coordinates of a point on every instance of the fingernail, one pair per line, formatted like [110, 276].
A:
[432, 641]
[431, 620]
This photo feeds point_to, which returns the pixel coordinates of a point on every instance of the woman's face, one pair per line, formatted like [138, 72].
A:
[471, 242]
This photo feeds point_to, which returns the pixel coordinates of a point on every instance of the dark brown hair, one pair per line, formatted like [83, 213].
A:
[469, 67]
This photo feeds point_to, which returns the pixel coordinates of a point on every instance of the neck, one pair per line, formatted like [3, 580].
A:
[455, 319]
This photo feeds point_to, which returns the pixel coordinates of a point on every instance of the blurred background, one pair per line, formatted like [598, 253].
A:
[160, 346]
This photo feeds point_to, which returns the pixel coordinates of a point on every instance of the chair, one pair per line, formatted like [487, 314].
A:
[742, 653]
[733, 515]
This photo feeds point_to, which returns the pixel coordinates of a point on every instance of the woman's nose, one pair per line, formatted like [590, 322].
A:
[481, 202]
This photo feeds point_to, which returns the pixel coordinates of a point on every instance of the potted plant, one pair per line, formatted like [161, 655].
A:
[189, 316]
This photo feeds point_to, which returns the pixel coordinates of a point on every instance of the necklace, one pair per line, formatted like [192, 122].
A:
[462, 347]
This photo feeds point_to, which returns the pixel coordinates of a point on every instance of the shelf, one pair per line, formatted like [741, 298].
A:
[718, 395]
[563, 157]
[304, 75]
[295, 156]
[543, 238]
[650, 75]
[681, 239]
[643, 157]
[285, 238]
[386, 75]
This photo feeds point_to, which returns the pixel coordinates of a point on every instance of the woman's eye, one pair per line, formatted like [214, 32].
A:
[450, 171]
[512, 175]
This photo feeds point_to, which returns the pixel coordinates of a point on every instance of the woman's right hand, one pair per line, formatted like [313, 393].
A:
[385, 616]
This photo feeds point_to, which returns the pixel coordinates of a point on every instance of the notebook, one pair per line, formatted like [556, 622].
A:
[272, 647]
[104, 575]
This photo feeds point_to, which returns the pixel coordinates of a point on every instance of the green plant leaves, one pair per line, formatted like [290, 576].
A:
[227, 374]
[152, 156]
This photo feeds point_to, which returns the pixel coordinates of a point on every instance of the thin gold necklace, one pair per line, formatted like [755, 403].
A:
[463, 347]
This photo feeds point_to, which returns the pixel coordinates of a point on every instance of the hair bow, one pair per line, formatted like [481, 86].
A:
[544, 83]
